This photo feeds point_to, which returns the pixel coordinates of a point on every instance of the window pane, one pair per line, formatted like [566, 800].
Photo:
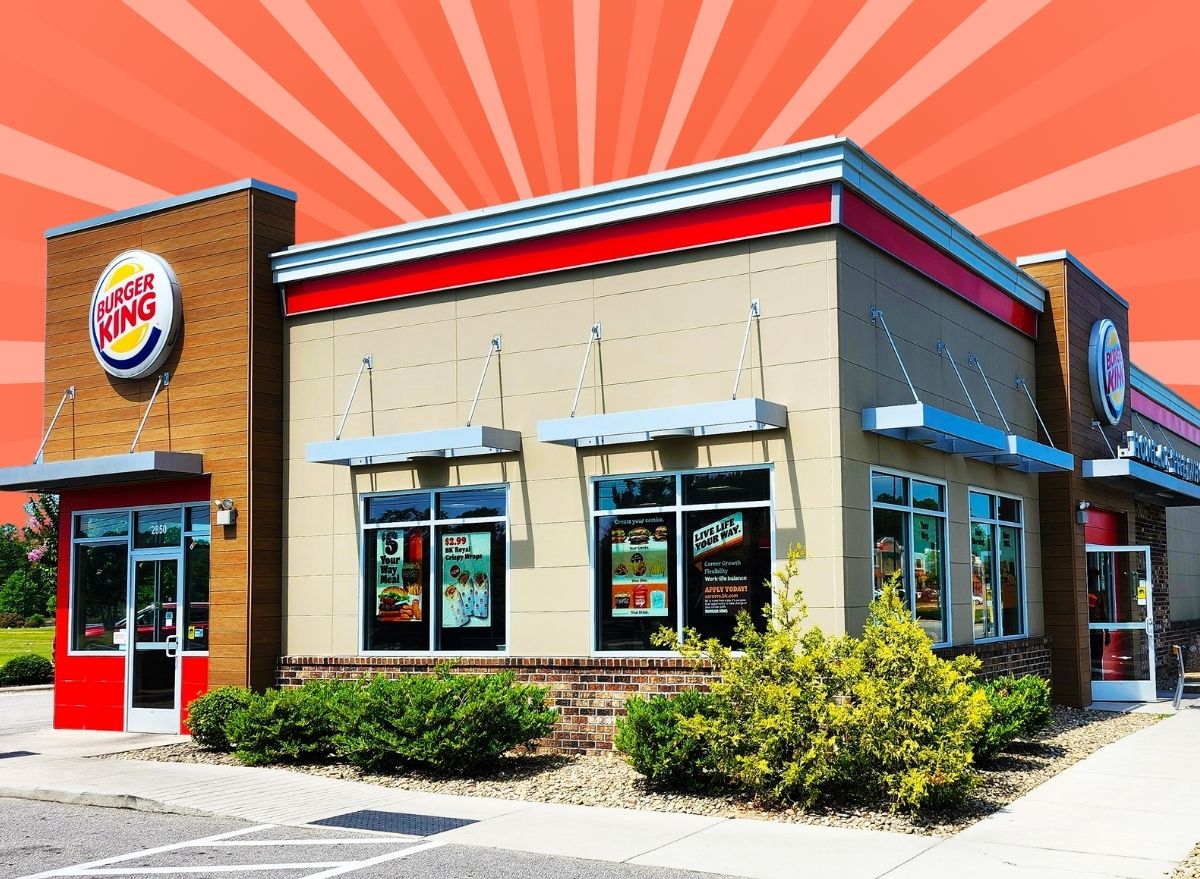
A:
[981, 506]
[727, 564]
[635, 579]
[886, 489]
[1120, 655]
[153, 528]
[890, 550]
[472, 578]
[198, 519]
[398, 508]
[196, 634]
[470, 503]
[1011, 575]
[929, 576]
[1010, 509]
[983, 590]
[727, 487]
[622, 494]
[927, 496]
[102, 525]
[396, 573]
[101, 582]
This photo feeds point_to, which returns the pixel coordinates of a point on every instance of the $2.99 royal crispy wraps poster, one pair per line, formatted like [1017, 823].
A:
[397, 591]
[466, 579]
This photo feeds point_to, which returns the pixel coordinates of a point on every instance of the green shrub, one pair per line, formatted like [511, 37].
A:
[292, 725]
[35, 621]
[11, 620]
[445, 723]
[27, 668]
[208, 716]
[1019, 707]
[913, 717]
[661, 743]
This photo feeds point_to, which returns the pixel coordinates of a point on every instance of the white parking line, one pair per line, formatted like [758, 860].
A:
[326, 869]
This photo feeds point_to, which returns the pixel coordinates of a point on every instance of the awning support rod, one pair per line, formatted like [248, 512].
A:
[368, 362]
[68, 394]
[164, 381]
[594, 337]
[1023, 386]
[750, 318]
[943, 348]
[493, 347]
[877, 318]
[972, 360]
[1149, 433]
[1104, 436]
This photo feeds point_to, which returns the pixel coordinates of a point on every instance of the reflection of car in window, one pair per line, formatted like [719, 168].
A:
[145, 621]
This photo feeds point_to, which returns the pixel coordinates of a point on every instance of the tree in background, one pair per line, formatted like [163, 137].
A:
[29, 559]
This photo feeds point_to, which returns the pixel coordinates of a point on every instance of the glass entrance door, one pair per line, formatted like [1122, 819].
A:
[1121, 623]
[153, 636]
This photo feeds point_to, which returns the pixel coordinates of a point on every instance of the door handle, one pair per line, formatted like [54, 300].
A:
[172, 645]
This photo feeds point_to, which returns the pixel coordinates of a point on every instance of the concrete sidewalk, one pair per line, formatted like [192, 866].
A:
[1130, 810]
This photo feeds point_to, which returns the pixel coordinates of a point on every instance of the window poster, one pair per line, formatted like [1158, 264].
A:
[397, 585]
[718, 557]
[466, 579]
[640, 579]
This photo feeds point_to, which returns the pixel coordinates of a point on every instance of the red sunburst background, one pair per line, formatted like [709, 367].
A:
[1041, 124]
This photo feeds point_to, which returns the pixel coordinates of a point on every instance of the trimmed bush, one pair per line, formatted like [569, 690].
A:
[27, 668]
[1020, 707]
[448, 724]
[35, 621]
[662, 740]
[293, 725]
[11, 620]
[208, 716]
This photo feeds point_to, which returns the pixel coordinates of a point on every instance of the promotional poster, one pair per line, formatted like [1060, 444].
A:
[466, 579]
[640, 580]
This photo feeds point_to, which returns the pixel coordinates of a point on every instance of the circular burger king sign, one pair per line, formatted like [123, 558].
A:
[1107, 365]
[135, 314]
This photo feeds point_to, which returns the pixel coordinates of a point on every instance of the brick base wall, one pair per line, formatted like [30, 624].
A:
[588, 693]
[1027, 656]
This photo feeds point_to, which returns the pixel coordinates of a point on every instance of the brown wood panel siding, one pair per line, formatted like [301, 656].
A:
[218, 404]
[1074, 304]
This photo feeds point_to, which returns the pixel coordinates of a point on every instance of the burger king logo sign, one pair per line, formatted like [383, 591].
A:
[1107, 366]
[135, 314]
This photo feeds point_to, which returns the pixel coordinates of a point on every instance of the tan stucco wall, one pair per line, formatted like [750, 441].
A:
[1183, 561]
[672, 330]
[918, 313]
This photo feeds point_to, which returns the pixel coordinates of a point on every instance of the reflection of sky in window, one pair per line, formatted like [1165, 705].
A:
[102, 525]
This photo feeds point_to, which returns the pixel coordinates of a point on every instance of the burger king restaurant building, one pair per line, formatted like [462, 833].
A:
[530, 436]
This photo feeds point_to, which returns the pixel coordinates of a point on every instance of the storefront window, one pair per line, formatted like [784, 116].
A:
[196, 547]
[690, 550]
[997, 570]
[99, 604]
[435, 583]
[908, 520]
[156, 528]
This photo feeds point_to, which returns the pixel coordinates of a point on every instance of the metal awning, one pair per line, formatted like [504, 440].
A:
[946, 432]
[1144, 481]
[457, 442]
[701, 419]
[53, 476]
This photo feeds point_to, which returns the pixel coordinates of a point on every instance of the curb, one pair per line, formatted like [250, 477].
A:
[108, 801]
[28, 688]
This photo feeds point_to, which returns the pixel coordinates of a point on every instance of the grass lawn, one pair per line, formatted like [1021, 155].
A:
[14, 641]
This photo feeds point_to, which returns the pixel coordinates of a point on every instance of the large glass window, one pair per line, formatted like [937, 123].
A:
[101, 586]
[997, 566]
[680, 550]
[908, 522]
[435, 570]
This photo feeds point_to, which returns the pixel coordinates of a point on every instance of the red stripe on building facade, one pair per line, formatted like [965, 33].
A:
[1172, 421]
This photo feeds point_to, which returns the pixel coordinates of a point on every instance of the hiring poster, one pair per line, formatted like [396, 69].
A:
[640, 582]
[466, 579]
[397, 586]
[717, 555]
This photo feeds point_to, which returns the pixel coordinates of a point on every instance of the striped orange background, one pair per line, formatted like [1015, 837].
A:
[1041, 124]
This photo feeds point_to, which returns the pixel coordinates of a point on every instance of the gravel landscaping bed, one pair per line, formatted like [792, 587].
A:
[1190, 868]
[608, 781]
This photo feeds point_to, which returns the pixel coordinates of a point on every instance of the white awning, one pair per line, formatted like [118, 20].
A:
[1144, 481]
[53, 476]
[458, 442]
[946, 432]
[702, 419]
